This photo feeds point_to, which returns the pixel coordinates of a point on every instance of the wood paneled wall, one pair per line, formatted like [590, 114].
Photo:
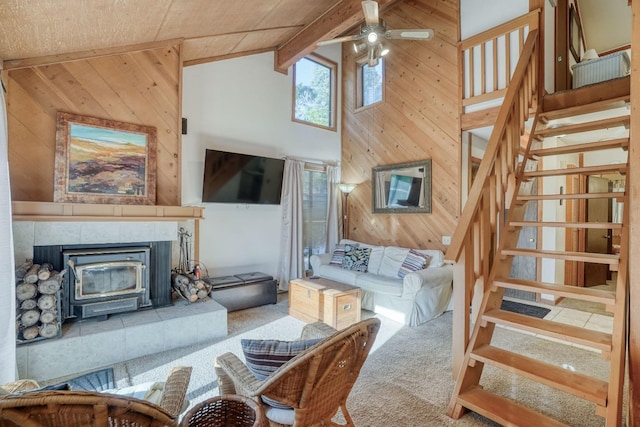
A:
[142, 87]
[418, 119]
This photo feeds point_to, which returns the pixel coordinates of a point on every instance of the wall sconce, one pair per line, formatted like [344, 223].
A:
[346, 188]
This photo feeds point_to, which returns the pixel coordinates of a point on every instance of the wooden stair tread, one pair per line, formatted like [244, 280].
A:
[575, 383]
[620, 168]
[581, 148]
[504, 411]
[583, 127]
[596, 258]
[562, 331]
[574, 292]
[600, 225]
[610, 195]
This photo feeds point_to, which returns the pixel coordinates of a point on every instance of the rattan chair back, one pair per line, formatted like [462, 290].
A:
[80, 409]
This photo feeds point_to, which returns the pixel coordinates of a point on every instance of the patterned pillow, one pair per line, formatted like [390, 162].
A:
[265, 356]
[414, 261]
[356, 259]
[338, 253]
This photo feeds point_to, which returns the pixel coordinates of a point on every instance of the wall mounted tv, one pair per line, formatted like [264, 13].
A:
[241, 178]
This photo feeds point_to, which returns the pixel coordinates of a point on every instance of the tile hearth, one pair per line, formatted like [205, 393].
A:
[92, 344]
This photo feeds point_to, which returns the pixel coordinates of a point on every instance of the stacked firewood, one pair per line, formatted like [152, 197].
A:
[190, 286]
[37, 294]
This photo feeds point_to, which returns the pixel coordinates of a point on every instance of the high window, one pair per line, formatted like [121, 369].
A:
[314, 91]
[314, 212]
[369, 83]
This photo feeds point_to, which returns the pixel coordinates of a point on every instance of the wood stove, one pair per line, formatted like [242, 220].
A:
[118, 277]
[106, 281]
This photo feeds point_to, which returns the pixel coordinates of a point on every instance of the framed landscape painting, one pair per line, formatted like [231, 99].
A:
[104, 161]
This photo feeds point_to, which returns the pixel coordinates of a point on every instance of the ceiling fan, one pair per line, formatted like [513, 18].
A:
[373, 31]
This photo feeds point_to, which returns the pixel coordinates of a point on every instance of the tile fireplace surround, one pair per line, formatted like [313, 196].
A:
[90, 344]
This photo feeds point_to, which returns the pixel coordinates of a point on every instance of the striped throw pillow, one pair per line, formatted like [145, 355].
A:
[265, 356]
[414, 261]
[338, 253]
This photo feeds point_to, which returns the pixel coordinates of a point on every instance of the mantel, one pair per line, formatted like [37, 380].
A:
[76, 212]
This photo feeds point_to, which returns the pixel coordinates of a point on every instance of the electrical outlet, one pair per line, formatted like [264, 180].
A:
[446, 240]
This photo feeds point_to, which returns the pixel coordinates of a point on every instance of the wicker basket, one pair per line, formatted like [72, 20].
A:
[228, 410]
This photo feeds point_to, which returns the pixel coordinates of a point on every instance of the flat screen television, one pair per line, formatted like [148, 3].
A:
[241, 178]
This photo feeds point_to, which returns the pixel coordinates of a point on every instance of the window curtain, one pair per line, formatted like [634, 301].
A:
[333, 208]
[291, 243]
[7, 268]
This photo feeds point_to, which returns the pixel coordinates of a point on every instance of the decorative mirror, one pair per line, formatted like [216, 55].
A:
[402, 188]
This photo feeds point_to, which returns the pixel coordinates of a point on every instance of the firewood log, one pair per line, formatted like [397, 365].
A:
[49, 330]
[46, 302]
[44, 271]
[22, 269]
[30, 317]
[193, 298]
[178, 279]
[26, 291]
[30, 333]
[28, 304]
[202, 294]
[48, 316]
[51, 285]
[31, 276]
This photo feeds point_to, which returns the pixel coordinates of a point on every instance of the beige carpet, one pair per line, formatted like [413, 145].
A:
[406, 381]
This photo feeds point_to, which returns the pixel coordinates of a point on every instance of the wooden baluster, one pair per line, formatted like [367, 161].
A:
[483, 65]
[472, 73]
[495, 63]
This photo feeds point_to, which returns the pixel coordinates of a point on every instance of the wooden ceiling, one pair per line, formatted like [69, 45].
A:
[211, 29]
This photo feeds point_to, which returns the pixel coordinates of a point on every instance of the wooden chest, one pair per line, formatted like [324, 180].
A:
[333, 303]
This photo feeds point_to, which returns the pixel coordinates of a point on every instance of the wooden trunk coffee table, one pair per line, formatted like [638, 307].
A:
[334, 303]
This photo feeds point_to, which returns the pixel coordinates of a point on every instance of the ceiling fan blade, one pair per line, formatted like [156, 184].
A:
[370, 9]
[339, 40]
[416, 34]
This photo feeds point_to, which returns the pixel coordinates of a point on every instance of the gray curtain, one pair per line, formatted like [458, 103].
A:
[291, 243]
[7, 268]
[333, 208]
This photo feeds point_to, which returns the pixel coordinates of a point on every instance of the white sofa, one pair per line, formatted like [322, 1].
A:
[418, 297]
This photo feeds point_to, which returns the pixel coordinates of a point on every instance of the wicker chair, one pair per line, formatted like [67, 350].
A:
[315, 383]
[80, 409]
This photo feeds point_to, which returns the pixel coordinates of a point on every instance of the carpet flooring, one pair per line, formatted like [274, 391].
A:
[406, 380]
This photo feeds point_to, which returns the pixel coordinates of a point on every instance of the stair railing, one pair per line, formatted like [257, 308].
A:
[474, 242]
[487, 59]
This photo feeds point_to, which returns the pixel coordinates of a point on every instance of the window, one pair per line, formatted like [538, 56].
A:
[314, 91]
[369, 83]
[314, 212]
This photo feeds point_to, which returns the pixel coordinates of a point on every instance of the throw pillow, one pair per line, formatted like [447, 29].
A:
[265, 356]
[356, 259]
[414, 261]
[338, 253]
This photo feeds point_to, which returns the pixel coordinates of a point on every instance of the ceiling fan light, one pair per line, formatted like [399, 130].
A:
[359, 47]
[372, 37]
[383, 49]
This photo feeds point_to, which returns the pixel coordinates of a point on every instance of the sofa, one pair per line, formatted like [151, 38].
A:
[409, 286]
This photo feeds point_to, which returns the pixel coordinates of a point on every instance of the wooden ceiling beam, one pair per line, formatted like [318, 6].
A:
[335, 21]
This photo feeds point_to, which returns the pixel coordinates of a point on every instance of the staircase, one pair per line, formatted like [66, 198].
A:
[586, 134]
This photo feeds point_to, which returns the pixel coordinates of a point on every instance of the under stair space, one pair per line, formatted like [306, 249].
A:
[566, 212]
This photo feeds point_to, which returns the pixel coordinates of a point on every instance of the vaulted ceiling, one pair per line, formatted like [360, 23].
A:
[211, 29]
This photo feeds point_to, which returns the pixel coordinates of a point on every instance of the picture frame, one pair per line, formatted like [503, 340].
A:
[104, 161]
[575, 33]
